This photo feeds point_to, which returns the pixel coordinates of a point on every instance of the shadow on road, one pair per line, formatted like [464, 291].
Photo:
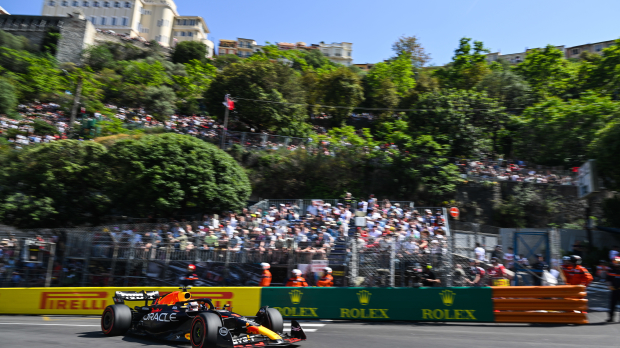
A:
[147, 341]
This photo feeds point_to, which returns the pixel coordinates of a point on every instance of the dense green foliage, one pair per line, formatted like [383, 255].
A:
[72, 182]
[546, 110]
[186, 51]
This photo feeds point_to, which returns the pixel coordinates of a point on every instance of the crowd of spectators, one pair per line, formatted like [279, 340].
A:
[278, 232]
[516, 171]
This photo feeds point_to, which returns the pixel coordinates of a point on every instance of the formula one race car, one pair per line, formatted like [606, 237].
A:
[179, 317]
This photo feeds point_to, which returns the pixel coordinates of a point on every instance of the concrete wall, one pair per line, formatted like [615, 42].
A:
[75, 36]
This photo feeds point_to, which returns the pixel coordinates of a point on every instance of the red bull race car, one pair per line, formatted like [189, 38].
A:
[179, 317]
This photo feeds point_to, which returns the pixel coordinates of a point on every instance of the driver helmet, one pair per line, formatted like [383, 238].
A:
[616, 261]
[296, 272]
[327, 270]
[265, 265]
[191, 267]
[576, 259]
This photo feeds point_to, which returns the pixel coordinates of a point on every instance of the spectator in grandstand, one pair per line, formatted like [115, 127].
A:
[476, 274]
[498, 253]
[480, 252]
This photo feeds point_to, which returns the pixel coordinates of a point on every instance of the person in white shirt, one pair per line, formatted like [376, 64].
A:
[480, 252]
[312, 209]
[229, 229]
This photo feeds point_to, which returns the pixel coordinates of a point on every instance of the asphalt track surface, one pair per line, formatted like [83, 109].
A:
[83, 331]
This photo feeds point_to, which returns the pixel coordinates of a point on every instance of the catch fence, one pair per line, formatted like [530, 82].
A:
[145, 254]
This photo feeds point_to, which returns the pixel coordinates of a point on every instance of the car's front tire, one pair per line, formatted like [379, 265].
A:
[116, 320]
[273, 320]
[203, 333]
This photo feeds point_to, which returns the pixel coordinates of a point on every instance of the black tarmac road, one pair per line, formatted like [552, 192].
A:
[80, 332]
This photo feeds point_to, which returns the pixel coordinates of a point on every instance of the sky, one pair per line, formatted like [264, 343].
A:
[372, 26]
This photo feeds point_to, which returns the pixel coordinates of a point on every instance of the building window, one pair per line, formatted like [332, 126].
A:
[96, 4]
[93, 20]
[117, 4]
[103, 20]
[125, 21]
[65, 3]
[75, 4]
[349, 53]
[190, 33]
[106, 4]
[575, 51]
[114, 21]
[127, 4]
[52, 3]
[192, 22]
[182, 33]
[85, 4]
[185, 22]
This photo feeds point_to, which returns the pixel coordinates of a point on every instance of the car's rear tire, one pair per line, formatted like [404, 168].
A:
[203, 332]
[116, 320]
[273, 320]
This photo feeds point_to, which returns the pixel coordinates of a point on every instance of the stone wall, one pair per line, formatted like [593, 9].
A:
[75, 36]
[76, 32]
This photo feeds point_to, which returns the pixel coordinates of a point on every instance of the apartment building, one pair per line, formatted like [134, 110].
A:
[245, 47]
[227, 47]
[338, 52]
[514, 58]
[597, 48]
[150, 19]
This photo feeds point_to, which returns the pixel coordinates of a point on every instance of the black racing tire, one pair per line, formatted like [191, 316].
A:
[273, 320]
[116, 320]
[203, 332]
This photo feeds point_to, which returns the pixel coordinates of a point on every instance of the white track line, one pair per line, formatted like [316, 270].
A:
[304, 325]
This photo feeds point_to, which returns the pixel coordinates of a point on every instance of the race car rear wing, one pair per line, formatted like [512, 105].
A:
[121, 296]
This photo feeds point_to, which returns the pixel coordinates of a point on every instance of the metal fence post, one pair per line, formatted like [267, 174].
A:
[113, 266]
[354, 262]
[50, 265]
[129, 262]
[88, 251]
[393, 263]
[448, 263]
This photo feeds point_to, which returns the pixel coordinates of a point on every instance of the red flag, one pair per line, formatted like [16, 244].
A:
[229, 103]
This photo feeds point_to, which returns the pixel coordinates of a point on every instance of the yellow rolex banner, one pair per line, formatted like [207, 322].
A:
[92, 301]
[422, 304]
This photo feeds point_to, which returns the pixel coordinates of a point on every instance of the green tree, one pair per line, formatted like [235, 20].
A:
[556, 132]
[546, 71]
[262, 91]
[510, 89]
[53, 184]
[50, 41]
[467, 68]
[159, 101]
[604, 73]
[411, 46]
[8, 99]
[342, 88]
[469, 122]
[98, 57]
[399, 71]
[605, 149]
[161, 174]
[186, 51]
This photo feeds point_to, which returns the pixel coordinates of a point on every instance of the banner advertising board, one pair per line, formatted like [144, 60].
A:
[422, 304]
[92, 301]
